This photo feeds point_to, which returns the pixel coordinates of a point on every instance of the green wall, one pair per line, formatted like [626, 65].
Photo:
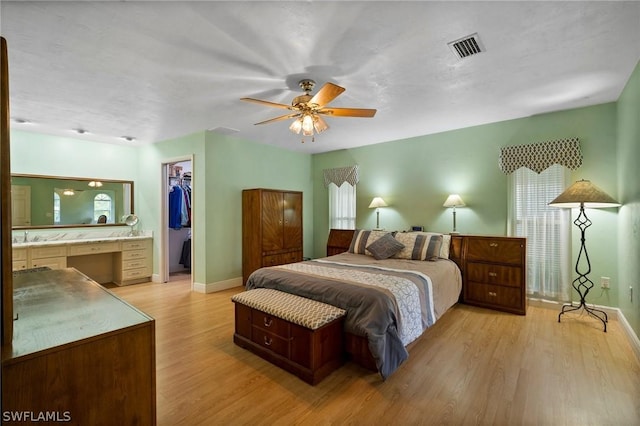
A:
[414, 176]
[629, 195]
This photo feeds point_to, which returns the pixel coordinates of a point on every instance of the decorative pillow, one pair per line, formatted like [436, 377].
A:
[385, 247]
[418, 246]
[362, 239]
[446, 243]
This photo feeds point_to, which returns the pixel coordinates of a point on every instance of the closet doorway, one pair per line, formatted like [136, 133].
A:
[177, 226]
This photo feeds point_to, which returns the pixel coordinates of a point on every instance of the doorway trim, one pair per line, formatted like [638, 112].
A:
[164, 208]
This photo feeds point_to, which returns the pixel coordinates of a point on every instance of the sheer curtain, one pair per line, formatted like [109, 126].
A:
[341, 184]
[546, 228]
[342, 206]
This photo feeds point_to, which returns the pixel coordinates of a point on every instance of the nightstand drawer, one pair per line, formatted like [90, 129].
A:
[499, 250]
[495, 274]
[494, 295]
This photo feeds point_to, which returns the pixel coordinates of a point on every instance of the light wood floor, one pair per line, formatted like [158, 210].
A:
[474, 366]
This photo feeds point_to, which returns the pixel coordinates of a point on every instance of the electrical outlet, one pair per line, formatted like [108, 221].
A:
[604, 282]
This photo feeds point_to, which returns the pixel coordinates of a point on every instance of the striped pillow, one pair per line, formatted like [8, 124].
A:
[361, 240]
[419, 246]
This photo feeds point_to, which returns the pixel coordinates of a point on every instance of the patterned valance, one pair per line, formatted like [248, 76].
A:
[341, 175]
[540, 156]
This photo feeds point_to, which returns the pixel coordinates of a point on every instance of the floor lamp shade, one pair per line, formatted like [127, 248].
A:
[583, 194]
[376, 203]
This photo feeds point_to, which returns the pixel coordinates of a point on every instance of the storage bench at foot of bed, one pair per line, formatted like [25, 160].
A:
[300, 335]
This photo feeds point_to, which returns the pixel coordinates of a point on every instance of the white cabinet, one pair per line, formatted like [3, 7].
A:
[54, 257]
[134, 263]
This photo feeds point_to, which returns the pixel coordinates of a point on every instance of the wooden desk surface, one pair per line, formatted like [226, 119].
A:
[59, 307]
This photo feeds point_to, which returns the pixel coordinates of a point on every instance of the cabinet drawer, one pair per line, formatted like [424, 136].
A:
[50, 262]
[499, 296]
[93, 248]
[134, 263]
[276, 326]
[131, 274]
[270, 341]
[282, 258]
[136, 245]
[134, 254]
[48, 251]
[19, 254]
[507, 250]
[18, 265]
[495, 274]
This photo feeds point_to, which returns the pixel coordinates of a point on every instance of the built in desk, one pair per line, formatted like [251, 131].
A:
[79, 352]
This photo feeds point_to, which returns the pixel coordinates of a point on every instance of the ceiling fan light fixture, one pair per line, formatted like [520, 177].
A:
[296, 126]
[307, 125]
[319, 124]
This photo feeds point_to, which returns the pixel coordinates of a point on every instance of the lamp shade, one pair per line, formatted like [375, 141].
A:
[453, 200]
[377, 202]
[583, 192]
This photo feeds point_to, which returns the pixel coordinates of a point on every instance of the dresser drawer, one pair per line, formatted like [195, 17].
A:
[274, 325]
[134, 263]
[282, 258]
[93, 248]
[270, 341]
[50, 262]
[499, 250]
[48, 251]
[495, 295]
[18, 265]
[495, 274]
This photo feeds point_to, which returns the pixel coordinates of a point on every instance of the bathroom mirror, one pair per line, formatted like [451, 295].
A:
[56, 201]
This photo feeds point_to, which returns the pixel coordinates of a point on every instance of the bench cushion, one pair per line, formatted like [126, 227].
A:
[295, 309]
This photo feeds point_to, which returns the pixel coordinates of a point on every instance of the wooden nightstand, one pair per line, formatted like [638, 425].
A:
[494, 274]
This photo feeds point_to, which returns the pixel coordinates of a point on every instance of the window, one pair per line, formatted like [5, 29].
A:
[546, 228]
[102, 206]
[342, 206]
[56, 208]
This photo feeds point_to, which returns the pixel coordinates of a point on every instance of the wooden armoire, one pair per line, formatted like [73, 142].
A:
[271, 228]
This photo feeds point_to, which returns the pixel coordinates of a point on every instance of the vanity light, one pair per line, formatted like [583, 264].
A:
[95, 184]
[68, 192]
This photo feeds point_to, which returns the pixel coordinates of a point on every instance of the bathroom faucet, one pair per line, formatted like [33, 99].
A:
[26, 236]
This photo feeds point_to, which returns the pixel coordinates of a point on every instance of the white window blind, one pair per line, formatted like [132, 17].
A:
[546, 228]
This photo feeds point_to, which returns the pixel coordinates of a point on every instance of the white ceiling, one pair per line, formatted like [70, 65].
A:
[157, 70]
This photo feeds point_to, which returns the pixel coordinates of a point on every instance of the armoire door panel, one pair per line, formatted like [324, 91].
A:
[292, 229]
[272, 221]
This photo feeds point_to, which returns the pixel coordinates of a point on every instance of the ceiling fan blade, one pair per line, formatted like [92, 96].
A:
[348, 112]
[280, 118]
[267, 103]
[326, 94]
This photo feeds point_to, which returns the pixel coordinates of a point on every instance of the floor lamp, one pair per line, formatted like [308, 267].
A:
[583, 194]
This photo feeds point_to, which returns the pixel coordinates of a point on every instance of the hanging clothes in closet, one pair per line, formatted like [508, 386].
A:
[179, 204]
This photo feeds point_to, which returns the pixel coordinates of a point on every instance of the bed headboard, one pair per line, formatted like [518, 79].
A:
[340, 240]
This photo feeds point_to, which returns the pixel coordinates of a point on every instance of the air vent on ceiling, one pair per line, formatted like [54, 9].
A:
[466, 46]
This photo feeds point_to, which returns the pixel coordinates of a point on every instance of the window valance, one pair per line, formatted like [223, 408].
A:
[341, 175]
[540, 156]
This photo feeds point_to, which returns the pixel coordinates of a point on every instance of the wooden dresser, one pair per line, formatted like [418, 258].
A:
[79, 352]
[271, 229]
[494, 273]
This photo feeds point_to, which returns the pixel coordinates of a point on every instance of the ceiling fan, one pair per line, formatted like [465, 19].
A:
[308, 110]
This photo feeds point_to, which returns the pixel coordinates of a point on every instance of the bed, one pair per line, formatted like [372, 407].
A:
[390, 300]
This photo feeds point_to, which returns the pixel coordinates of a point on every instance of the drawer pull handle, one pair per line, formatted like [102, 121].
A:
[493, 294]
[493, 244]
[268, 322]
[493, 274]
[267, 341]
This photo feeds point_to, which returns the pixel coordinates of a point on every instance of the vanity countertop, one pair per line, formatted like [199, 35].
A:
[59, 242]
